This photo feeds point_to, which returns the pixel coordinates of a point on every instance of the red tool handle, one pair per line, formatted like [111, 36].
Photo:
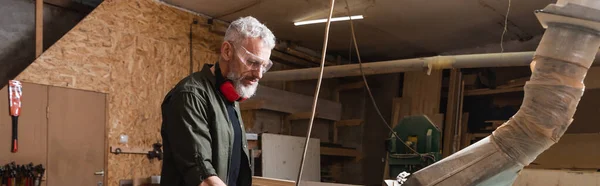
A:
[14, 144]
[14, 97]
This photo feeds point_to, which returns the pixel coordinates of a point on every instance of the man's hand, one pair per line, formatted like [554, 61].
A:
[213, 181]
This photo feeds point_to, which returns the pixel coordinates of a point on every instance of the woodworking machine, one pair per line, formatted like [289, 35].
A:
[418, 133]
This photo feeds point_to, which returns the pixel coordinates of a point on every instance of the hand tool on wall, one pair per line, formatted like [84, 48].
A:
[21, 175]
[14, 99]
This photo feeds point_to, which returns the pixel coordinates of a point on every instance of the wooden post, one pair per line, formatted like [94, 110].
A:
[452, 111]
[39, 27]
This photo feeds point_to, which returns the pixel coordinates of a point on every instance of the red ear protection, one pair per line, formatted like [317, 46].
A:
[229, 92]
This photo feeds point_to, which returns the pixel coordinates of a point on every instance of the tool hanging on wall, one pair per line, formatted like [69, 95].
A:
[21, 175]
[14, 99]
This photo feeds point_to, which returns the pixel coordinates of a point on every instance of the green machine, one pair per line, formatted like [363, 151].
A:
[419, 133]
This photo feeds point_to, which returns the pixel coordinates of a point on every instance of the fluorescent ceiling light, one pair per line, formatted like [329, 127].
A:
[333, 19]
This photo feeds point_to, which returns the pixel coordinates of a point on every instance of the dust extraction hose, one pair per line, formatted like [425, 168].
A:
[559, 67]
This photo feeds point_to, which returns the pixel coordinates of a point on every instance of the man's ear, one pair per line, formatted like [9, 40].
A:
[226, 51]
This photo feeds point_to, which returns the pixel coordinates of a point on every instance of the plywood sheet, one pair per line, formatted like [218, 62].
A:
[135, 51]
[543, 177]
[32, 127]
[281, 156]
[76, 138]
[424, 92]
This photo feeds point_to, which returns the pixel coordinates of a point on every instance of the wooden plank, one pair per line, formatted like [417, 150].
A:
[487, 91]
[544, 177]
[301, 115]
[282, 155]
[349, 122]
[39, 27]
[458, 128]
[264, 181]
[351, 86]
[465, 139]
[572, 151]
[331, 151]
[424, 91]
[452, 110]
[290, 102]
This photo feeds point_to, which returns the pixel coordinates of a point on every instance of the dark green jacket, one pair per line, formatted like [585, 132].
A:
[197, 133]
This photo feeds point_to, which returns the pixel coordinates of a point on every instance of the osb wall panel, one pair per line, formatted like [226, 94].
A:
[134, 50]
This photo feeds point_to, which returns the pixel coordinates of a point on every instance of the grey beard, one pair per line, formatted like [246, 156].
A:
[243, 91]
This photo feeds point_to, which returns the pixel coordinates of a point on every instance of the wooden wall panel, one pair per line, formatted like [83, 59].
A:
[135, 51]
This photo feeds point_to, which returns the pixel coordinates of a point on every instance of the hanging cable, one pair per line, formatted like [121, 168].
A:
[314, 106]
[505, 28]
[369, 89]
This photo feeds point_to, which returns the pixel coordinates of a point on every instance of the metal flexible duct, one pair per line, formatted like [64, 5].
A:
[559, 67]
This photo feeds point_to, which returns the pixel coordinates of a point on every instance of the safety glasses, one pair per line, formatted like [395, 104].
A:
[253, 61]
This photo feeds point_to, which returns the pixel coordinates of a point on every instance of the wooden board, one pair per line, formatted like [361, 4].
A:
[32, 127]
[290, 102]
[579, 151]
[281, 156]
[349, 122]
[542, 177]
[331, 151]
[265, 181]
[465, 138]
[76, 146]
[452, 112]
[424, 92]
[39, 27]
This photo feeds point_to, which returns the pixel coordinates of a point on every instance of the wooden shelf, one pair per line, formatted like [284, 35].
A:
[333, 151]
[487, 91]
[349, 122]
[267, 98]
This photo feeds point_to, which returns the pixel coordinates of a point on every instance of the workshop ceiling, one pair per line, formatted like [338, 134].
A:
[391, 29]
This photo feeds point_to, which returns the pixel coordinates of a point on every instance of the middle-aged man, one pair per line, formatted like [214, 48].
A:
[203, 134]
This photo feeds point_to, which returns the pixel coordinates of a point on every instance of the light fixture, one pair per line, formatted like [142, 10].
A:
[346, 18]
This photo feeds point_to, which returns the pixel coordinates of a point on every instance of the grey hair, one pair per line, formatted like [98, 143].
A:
[249, 27]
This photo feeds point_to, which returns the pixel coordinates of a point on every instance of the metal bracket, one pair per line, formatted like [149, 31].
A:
[129, 150]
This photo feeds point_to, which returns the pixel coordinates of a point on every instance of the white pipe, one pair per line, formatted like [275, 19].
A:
[405, 65]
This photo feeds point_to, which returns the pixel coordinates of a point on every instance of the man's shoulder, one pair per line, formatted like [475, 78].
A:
[196, 83]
